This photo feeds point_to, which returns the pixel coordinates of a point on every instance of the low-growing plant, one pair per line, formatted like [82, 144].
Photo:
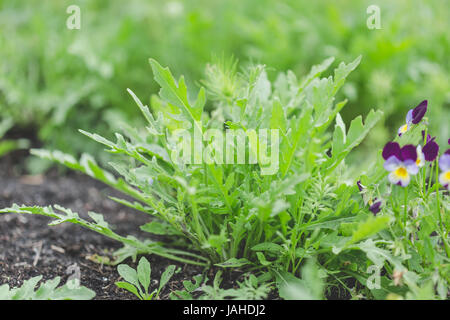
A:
[262, 213]
[225, 210]
[251, 288]
[138, 281]
[48, 290]
[191, 289]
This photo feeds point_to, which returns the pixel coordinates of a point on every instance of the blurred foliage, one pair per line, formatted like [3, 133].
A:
[58, 80]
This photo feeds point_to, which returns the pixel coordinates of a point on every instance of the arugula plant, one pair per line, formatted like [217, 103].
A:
[217, 207]
[233, 215]
[138, 281]
[191, 289]
[48, 290]
[251, 288]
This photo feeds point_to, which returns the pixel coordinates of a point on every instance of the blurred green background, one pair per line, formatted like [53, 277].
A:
[54, 80]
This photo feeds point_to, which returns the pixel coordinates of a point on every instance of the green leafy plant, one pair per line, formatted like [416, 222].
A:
[138, 281]
[251, 288]
[48, 290]
[181, 195]
[191, 289]
[235, 215]
[242, 215]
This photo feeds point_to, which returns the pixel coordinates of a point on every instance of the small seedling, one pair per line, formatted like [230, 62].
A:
[138, 281]
[47, 290]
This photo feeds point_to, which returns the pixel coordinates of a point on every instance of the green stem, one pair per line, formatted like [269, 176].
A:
[195, 218]
[438, 207]
[405, 213]
[424, 180]
[429, 181]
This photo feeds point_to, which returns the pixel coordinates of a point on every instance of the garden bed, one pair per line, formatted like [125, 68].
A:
[29, 247]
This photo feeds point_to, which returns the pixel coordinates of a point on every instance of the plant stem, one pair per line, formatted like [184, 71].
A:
[195, 218]
[429, 181]
[424, 180]
[438, 207]
[405, 213]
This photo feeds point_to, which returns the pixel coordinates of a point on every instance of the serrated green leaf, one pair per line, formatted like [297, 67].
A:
[176, 93]
[343, 70]
[356, 133]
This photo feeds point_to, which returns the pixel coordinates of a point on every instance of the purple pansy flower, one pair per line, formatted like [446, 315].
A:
[360, 186]
[400, 162]
[375, 207]
[429, 152]
[420, 162]
[414, 116]
[444, 164]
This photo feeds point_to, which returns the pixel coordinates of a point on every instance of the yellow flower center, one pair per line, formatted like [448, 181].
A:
[447, 175]
[401, 172]
[418, 161]
[404, 128]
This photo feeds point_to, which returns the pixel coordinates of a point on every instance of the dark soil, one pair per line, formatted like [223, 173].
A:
[29, 247]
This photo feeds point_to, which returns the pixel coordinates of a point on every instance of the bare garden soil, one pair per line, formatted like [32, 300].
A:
[29, 247]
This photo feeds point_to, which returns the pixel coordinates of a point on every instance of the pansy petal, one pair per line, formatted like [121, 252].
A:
[393, 178]
[431, 150]
[418, 149]
[375, 207]
[391, 149]
[408, 152]
[444, 162]
[402, 129]
[392, 163]
[420, 157]
[409, 116]
[419, 112]
[444, 179]
[420, 162]
[411, 167]
[404, 181]
[360, 186]
[447, 152]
